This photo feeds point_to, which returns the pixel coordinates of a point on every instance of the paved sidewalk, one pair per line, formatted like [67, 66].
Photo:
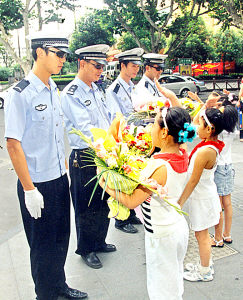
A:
[123, 276]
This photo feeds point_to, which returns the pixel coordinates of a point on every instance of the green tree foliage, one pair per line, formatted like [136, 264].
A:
[229, 46]
[10, 14]
[228, 12]
[94, 28]
[194, 42]
[141, 19]
[148, 20]
[48, 11]
[16, 14]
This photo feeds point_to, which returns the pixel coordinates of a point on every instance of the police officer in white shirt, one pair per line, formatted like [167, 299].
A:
[120, 92]
[84, 107]
[121, 89]
[146, 87]
[34, 134]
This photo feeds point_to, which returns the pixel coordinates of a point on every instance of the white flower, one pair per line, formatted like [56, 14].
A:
[112, 162]
[124, 148]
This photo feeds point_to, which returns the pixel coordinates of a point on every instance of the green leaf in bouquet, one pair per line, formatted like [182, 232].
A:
[82, 136]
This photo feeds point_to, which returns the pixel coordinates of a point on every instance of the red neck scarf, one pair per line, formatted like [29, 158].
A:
[179, 163]
[218, 144]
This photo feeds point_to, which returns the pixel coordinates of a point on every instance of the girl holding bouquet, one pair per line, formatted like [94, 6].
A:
[204, 204]
[166, 231]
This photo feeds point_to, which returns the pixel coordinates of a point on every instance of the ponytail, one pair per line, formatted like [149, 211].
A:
[225, 120]
[230, 118]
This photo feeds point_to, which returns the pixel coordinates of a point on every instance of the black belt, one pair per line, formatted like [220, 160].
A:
[81, 150]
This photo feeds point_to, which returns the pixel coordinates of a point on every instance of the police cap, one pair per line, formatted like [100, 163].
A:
[94, 52]
[44, 40]
[155, 58]
[133, 55]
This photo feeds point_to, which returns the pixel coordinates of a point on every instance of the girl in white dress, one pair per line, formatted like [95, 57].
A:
[166, 231]
[204, 203]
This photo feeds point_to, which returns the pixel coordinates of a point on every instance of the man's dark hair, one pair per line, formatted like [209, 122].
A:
[34, 54]
[125, 62]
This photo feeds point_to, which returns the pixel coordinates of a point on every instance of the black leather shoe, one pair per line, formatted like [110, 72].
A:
[128, 228]
[135, 220]
[92, 260]
[72, 294]
[107, 248]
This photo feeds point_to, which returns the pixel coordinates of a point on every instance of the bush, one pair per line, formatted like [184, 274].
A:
[63, 76]
[62, 80]
[217, 76]
[5, 73]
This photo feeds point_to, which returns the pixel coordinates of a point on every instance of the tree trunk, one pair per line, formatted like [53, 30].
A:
[9, 48]
[40, 20]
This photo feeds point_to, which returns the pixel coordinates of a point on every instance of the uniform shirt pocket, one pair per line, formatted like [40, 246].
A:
[41, 122]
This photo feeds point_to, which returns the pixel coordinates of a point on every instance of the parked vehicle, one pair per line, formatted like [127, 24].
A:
[178, 84]
[201, 87]
[3, 95]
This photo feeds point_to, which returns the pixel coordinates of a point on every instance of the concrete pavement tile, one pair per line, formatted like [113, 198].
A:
[136, 290]
[25, 283]
[89, 284]
[8, 288]
[122, 240]
[76, 267]
[125, 268]
[191, 292]
[222, 287]
[8, 281]
[20, 251]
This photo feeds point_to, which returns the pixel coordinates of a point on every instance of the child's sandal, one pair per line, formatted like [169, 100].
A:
[225, 238]
[217, 243]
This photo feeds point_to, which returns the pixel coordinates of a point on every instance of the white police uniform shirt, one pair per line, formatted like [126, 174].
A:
[83, 108]
[33, 116]
[150, 85]
[118, 97]
[146, 92]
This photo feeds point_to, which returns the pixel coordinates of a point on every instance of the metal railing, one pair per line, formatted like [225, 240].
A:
[220, 84]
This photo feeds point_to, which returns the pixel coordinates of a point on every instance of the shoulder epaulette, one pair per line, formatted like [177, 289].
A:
[72, 89]
[116, 89]
[21, 85]
[146, 84]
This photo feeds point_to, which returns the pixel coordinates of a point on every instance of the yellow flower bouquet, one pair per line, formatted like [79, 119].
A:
[147, 112]
[119, 163]
[193, 107]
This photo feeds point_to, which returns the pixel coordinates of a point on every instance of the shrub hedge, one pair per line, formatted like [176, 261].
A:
[217, 76]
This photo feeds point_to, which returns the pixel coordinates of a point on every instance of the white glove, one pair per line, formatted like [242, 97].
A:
[34, 202]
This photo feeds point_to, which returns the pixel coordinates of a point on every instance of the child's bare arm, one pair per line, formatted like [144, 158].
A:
[205, 160]
[168, 94]
[140, 194]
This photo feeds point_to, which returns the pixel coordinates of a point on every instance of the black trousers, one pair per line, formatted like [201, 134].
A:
[127, 221]
[48, 237]
[91, 220]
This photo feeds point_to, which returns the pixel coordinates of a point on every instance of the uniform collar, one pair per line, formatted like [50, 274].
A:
[38, 84]
[126, 85]
[149, 80]
[85, 87]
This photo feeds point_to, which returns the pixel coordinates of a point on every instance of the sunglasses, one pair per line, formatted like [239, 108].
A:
[156, 68]
[97, 66]
[59, 54]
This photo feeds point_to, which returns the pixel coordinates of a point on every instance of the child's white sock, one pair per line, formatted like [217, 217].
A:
[204, 270]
